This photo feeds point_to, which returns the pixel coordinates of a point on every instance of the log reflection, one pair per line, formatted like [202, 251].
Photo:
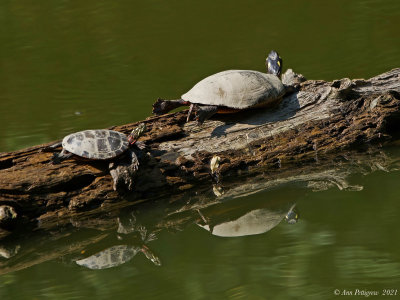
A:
[127, 228]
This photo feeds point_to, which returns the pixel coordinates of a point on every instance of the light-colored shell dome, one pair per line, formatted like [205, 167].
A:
[110, 257]
[96, 144]
[254, 222]
[236, 89]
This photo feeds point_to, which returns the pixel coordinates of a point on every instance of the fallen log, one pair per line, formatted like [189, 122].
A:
[319, 119]
[69, 238]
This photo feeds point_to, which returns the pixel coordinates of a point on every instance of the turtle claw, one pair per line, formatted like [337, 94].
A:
[151, 237]
[140, 145]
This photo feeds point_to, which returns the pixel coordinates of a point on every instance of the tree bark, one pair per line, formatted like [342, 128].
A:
[73, 236]
[319, 119]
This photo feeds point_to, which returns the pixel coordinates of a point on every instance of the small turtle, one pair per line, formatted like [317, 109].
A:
[115, 256]
[103, 144]
[231, 91]
[120, 254]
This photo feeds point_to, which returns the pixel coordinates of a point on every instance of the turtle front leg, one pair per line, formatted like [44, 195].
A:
[163, 106]
[190, 112]
[205, 112]
[122, 171]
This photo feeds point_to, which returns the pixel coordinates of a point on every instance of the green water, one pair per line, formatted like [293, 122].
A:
[73, 65]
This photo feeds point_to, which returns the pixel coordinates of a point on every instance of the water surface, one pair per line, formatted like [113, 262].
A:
[68, 66]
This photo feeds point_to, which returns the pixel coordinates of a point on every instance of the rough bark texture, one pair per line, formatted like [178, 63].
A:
[321, 118]
[68, 238]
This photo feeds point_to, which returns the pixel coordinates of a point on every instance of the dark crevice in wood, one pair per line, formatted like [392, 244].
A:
[76, 183]
[392, 125]
[4, 192]
[7, 163]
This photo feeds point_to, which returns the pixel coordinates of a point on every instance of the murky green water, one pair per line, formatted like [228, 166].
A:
[73, 65]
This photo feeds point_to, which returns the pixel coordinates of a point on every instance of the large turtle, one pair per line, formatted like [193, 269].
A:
[254, 222]
[103, 144]
[231, 91]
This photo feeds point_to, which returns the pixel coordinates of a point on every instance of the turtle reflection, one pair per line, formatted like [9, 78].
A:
[254, 222]
[9, 251]
[120, 254]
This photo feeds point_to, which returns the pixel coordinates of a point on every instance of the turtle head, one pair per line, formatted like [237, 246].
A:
[292, 216]
[274, 63]
[136, 133]
[150, 255]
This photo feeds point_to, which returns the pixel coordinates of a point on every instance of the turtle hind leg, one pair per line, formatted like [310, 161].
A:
[163, 106]
[205, 112]
[59, 157]
[50, 147]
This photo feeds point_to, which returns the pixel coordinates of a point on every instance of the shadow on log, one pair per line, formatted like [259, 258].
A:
[320, 119]
[71, 238]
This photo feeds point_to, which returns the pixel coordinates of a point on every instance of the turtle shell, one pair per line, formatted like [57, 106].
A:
[254, 222]
[96, 144]
[237, 89]
[110, 257]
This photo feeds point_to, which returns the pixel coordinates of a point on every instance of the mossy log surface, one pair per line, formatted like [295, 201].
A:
[319, 119]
